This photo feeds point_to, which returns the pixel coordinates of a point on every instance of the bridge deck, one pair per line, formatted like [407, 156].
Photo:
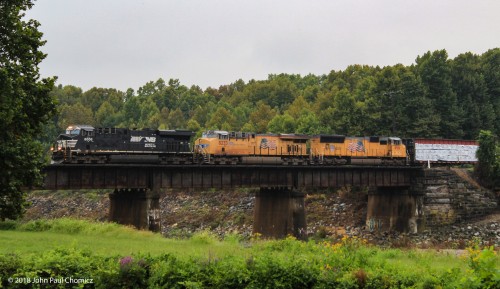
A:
[120, 176]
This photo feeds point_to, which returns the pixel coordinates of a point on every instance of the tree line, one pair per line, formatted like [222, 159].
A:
[437, 97]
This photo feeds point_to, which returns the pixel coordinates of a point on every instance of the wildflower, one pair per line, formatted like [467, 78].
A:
[126, 262]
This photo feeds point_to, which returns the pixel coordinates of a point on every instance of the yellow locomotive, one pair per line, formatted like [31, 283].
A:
[338, 149]
[222, 147]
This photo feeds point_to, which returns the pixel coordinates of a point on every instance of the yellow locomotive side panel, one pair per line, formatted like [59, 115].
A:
[266, 145]
[224, 143]
[398, 149]
[386, 147]
[357, 147]
[335, 146]
[235, 146]
[280, 145]
[375, 149]
[319, 149]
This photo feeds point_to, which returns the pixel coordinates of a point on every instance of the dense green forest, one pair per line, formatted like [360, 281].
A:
[435, 97]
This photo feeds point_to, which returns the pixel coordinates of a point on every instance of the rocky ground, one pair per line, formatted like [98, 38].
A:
[91, 205]
[330, 214]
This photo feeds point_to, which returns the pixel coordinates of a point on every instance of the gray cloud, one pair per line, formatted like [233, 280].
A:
[126, 43]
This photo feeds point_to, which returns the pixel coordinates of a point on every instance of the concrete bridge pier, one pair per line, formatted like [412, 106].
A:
[280, 212]
[393, 208]
[137, 207]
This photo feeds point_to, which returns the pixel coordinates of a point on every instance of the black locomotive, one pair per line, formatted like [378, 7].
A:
[86, 144]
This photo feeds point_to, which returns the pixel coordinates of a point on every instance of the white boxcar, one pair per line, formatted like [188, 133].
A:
[445, 151]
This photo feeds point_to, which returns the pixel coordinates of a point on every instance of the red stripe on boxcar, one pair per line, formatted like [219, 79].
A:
[446, 141]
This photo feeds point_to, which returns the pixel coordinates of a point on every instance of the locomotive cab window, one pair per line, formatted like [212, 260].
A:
[395, 141]
[220, 134]
[209, 134]
[73, 130]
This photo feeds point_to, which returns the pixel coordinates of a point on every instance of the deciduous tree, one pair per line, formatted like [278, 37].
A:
[488, 167]
[25, 105]
[75, 114]
[435, 71]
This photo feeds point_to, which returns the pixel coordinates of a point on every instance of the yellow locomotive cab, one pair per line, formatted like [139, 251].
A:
[219, 142]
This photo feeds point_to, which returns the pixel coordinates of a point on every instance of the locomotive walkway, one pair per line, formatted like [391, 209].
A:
[279, 205]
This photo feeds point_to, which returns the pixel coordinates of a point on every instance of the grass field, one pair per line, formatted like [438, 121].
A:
[120, 256]
[105, 239]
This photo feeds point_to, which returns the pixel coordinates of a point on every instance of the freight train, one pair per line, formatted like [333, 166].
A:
[86, 144]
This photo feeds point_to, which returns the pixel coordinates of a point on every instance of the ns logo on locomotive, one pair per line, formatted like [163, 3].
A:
[86, 144]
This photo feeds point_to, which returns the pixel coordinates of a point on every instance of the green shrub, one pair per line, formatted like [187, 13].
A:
[204, 237]
[484, 268]
[9, 264]
[59, 268]
[230, 272]
[36, 226]
[268, 271]
[8, 225]
[169, 272]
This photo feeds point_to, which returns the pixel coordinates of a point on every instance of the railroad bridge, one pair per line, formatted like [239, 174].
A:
[279, 205]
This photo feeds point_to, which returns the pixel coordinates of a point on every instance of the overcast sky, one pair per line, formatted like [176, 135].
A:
[126, 43]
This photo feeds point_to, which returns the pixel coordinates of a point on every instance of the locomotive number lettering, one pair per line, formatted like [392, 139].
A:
[88, 139]
[223, 142]
[149, 145]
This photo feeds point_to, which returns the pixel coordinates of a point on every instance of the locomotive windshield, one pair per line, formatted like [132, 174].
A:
[395, 140]
[73, 131]
[220, 134]
[209, 134]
